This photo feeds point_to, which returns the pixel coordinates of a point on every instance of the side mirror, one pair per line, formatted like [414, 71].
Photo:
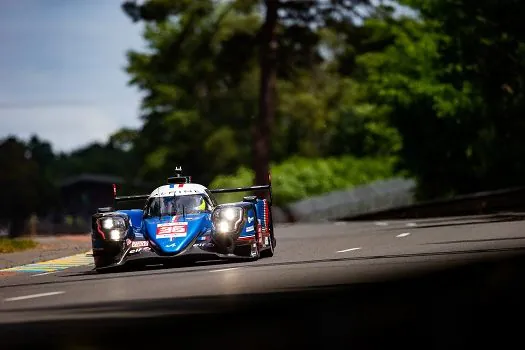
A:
[251, 199]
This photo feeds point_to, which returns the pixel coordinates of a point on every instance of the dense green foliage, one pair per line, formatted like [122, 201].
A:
[440, 93]
[299, 178]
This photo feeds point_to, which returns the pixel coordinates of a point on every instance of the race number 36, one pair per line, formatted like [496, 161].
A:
[175, 229]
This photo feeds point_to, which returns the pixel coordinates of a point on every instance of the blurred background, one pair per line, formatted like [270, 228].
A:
[330, 96]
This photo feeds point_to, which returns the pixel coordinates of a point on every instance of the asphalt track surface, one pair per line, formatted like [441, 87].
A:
[435, 283]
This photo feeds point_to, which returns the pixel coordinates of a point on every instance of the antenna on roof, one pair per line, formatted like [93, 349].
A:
[179, 178]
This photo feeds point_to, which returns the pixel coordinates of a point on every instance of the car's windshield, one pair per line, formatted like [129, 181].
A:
[177, 205]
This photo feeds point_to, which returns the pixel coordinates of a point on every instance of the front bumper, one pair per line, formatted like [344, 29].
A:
[118, 253]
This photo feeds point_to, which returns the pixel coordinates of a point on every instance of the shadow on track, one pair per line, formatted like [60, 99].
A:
[154, 264]
[494, 252]
[475, 305]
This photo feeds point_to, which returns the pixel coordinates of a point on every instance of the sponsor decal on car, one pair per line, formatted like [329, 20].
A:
[172, 230]
[138, 250]
[137, 244]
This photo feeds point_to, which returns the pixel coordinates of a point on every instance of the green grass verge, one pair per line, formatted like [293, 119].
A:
[10, 245]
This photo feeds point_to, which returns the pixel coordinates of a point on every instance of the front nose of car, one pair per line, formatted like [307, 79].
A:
[173, 237]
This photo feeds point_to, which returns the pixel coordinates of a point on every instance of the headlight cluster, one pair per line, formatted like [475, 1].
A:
[228, 219]
[115, 227]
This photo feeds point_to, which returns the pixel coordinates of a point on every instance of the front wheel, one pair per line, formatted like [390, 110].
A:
[268, 252]
[102, 261]
[251, 251]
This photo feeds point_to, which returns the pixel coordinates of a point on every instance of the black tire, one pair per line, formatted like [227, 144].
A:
[102, 261]
[269, 252]
[245, 251]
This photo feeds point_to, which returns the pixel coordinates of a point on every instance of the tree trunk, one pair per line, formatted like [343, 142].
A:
[267, 95]
[17, 227]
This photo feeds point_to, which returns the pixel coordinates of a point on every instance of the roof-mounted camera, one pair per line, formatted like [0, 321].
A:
[179, 178]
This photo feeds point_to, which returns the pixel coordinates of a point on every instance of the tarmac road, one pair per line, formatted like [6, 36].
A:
[320, 271]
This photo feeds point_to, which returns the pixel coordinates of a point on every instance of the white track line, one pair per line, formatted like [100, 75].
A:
[411, 224]
[403, 234]
[43, 273]
[32, 296]
[381, 223]
[228, 269]
[349, 250]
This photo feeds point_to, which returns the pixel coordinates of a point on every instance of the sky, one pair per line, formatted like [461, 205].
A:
[62, 70]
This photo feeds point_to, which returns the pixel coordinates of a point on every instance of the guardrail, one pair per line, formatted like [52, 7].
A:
[489, 202]
[393, 199]
[377, 196]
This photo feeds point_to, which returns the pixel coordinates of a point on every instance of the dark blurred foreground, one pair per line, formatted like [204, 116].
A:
[478, 305]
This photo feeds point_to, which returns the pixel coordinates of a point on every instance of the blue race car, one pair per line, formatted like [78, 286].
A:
[182, 218]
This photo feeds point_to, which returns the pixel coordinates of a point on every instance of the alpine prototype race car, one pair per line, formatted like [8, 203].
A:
[182, 218]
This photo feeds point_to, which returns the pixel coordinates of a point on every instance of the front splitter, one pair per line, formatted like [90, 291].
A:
[149, 255]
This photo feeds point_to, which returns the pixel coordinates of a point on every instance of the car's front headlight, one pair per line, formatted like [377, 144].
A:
[113, 227]
[228, 219]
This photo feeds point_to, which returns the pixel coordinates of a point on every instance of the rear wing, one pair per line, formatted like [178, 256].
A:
[258, 188]
[117, 199]
[186, 179]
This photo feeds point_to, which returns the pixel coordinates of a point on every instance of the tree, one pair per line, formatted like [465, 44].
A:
[267, 94]
[123, 139]
[288, 41]
[20, 184]
[197, 95]
[451, 83]
[97, 158]
[41, 152]
[484, 52]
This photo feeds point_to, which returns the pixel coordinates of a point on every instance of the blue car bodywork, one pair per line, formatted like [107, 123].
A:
[122, 235]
